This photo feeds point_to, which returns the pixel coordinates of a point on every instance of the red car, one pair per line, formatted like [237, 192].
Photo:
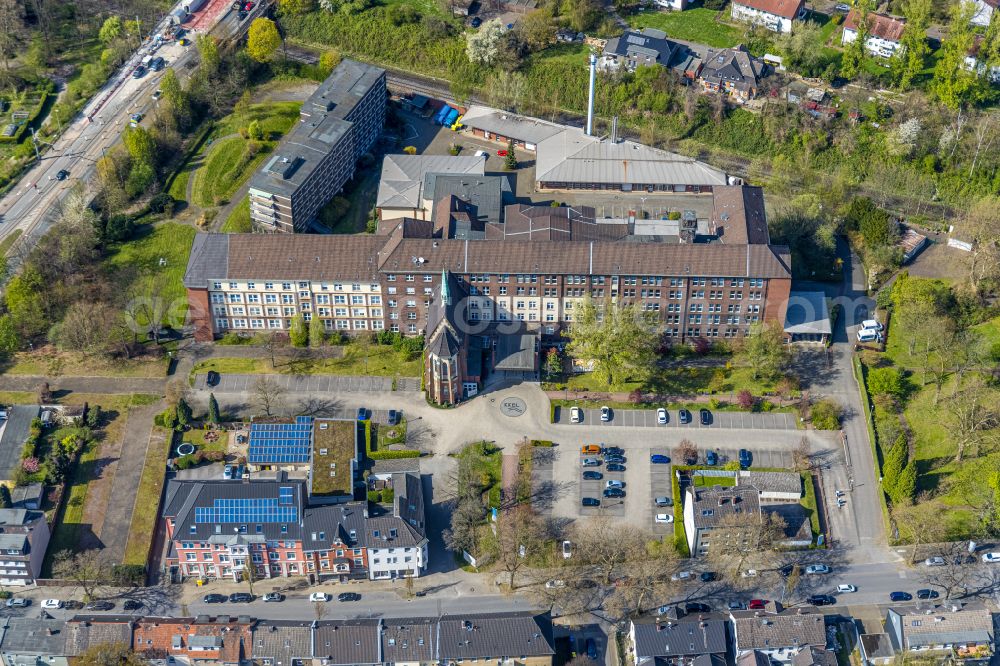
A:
[248, 6]
[501, 153]
[757, 604]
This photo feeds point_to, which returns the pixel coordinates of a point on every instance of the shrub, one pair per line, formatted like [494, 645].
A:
[766, 405]
[387, 495]
[374, 495]
[885, 381]
[826, 415]
[30, 465]
[542, 442]
[744, 399]
[701, 346]
[128, 574]
[714, 403]
[6, 594]
[161, 203]
[394, 455]
[215, 456]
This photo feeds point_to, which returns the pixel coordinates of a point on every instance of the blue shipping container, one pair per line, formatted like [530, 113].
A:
[452, 117]
[442, 114]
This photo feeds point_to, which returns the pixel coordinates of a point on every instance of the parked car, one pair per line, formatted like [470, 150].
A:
[664, 518]
[684, 416]
[590, 475]
[393, 418]
[745, 458]
[62, 174]
[991, 557]
[348, 596]
[575, 415]
[567, 549]
[132, 604]
[362, 414]
[614, 483]
[817, 569]
[844, 588]
[157, 64]
[139, 72]
[228, 471]
[240, 598]
[100, 606]
[273, 597]
[659, 459]
[72, 604]
[927, 594]
[736, 605]
[617, 493]
[157, 95]
[18, 602]
[681, 575]
[708, 576]
[613, 450]
[711, 458]
[590, 449]
[52, 604]
[553, 584]
[319, 596]
[614, 459]
[605, 414]
[662, 416]
[184, 41]
[134, 119]
[706, 416]
[842, 8]
[663, 501]
[900, 596]
[934, 561]
[476, 22]
[757, 604]
[871, 325]
[697, 607]
[786, 570]
[212, 379]
[869, 336]
[591, 462]
[590, 501]
[482, 153]
[592, 649]
[616, 467]
[821, 600]
[215, 598]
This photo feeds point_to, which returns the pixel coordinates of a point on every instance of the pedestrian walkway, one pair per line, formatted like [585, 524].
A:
[30, 383]
[237, 383]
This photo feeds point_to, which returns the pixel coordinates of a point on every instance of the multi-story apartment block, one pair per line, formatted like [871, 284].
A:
[885, 33]
[707, 276]
[219, 528]
[24, 536]
[776, 15]
[339, 122]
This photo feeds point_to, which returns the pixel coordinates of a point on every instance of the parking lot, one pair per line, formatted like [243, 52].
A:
[660, 485]
[610, 506]
[646, 418]
[237, 383]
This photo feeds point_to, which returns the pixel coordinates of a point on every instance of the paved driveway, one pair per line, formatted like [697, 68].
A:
[646, 418]
[234, 383]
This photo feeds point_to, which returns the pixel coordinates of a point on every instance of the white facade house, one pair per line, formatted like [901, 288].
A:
[405, 562]
[775, 15]
[885, 34]
[676, 5]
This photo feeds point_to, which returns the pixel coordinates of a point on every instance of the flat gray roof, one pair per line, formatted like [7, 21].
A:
[322, 125]
[510, 125]
[807, 313]
[516, 351]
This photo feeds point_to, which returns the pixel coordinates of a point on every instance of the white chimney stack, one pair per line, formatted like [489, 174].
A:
[590, 103]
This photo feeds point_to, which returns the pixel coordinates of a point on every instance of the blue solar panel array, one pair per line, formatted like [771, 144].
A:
[281, 442]
[258, 510]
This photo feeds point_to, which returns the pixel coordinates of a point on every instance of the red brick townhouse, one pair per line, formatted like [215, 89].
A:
[219, 528]
[219, 640]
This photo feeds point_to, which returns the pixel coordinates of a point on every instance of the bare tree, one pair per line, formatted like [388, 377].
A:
[271, 344]
[746, 541]
[800, 455]
[519, 535]
[686, 453]
[973, 417]
[606, 545]
[918, 524]
[89, 570]
[954, 577]
[176, 390]
[268, 394]
[645, 582]
[12, 29]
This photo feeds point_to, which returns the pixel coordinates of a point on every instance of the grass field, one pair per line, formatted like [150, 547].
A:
[48, 361]
[9, 241]
[178, 186]
[224, 163]
[238, 221]
[694, 25]
[153, 263]
[144, 513]
[381, 361]
[275, 119]
[681, 381]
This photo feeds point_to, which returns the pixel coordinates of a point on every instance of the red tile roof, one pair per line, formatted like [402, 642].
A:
[786, 8]
[882, 26]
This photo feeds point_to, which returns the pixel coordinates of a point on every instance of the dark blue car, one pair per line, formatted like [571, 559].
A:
[745, 458]
[711, 458]
[659, 459]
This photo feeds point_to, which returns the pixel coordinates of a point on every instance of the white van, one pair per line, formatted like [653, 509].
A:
[868, 335]
[871, 325]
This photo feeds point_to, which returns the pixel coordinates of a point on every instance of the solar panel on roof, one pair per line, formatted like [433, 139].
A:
[281, 442]
[636, 39]
[253, 510]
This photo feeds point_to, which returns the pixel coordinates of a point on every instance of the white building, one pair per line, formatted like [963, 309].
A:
[676, 5]
[885, 33]
[775, 15]
[984, 11]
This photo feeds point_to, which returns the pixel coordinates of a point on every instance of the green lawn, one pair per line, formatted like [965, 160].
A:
[275, 119]
[197, 437]
[990, 331]
[700, 481]
[178, 186]
[9, 241]
[694, 25]
[387, 435]
[719, 380]
[489, 468]
[238, 221]
[153, 264]
[145, 512]
[227, 165]
[381, 361]
[48, 361]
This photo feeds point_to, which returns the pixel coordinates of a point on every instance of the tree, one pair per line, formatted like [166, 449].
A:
[955, 576]
[510, 159]
[254, 131]
[906, 485]
[10, 341]
[984, 233]
[268, 395]
[801, 459]
[5, 502]
[519, 536]
[292, 7]
[954, 85]
[263, 40]
[910, 62]
[317, 335]
[484, 45]
[298, 334]
[856, 52]
[177, 100]
[885, 381]
[94, 415]
[764, 350]
[553, 363]
[140, 145]
[619, 339]
[644, 581]
[111, 29]
[537, 29]
[895, 458]
[744, 399]
[88, 570]
[686, 453]
[249, 574]
[84, 328]
[213, 409]
[741, 542]
[110, 654]
[973, 418]
[184, 413]
[12, 29]
[919, 523]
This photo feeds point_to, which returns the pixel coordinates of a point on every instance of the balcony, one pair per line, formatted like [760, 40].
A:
[972, 652]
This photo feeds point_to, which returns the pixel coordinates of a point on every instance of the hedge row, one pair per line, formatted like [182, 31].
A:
[32, 116]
